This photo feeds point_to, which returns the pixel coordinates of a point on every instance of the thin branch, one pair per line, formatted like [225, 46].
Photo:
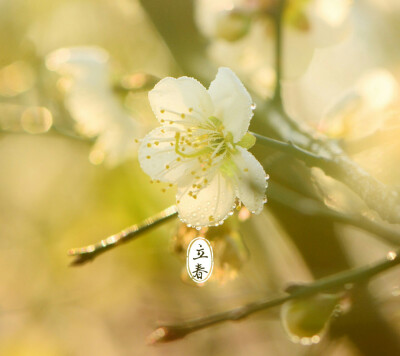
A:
[313, 207]
[278, 19]
[309, 158]
[277, 192]
[88, 253]
[170, 332]
[336, 164]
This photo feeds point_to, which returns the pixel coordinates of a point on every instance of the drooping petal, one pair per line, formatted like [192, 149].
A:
[158, 158]
[232, 103]
[251, 180]
[209, 206]
[182, 99]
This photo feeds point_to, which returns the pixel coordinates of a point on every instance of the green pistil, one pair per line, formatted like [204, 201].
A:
[189, 155]
[247, 141]
[215, 140]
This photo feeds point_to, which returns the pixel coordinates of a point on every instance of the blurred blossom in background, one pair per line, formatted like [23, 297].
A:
[88, 97]
[74, 78]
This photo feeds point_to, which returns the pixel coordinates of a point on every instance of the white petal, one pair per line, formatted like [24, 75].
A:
[180, 99]
[232, 103]
[251, 180]
[212, 204]
[158, 158]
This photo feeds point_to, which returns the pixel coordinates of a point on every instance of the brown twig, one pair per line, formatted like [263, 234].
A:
[88, 253]
[315, 208]
[170, 332]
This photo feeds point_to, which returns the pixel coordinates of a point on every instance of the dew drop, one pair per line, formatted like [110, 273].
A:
[295, 339]
[305, 341]
[315, 339]
[253, 106]
[198, 228]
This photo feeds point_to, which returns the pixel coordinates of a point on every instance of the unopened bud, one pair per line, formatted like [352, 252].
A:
[304, 319]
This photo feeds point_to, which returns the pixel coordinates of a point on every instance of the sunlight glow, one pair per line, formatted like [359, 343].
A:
[333, 12]
[16, 78]
[96, 156]
[379, 88]
[36, 120]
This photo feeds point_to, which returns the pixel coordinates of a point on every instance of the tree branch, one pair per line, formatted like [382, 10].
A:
[277, 192]
[170, 332]
[336, 163]
[88, 253]
[315, 208]
[278, 20]
[309, 158]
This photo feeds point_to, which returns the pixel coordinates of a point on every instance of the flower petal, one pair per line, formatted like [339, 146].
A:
[180, 99]
[251, 182]
[159, 160]
[211, 204]
[232, 103]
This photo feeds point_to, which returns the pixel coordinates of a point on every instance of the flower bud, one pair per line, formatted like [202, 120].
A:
[304, 319]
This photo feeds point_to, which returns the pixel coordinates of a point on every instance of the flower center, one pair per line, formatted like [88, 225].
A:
[206, 139]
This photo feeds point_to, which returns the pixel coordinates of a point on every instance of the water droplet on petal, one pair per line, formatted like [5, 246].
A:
[315, 339]
[305, 341]
[253, 106]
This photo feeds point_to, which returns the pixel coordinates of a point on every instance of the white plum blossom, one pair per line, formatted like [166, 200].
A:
[88, 96]
[202, 145]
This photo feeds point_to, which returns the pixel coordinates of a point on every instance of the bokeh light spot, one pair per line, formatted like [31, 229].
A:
[36, 120]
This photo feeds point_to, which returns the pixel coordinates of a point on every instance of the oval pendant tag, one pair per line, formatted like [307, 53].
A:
[199, 260]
